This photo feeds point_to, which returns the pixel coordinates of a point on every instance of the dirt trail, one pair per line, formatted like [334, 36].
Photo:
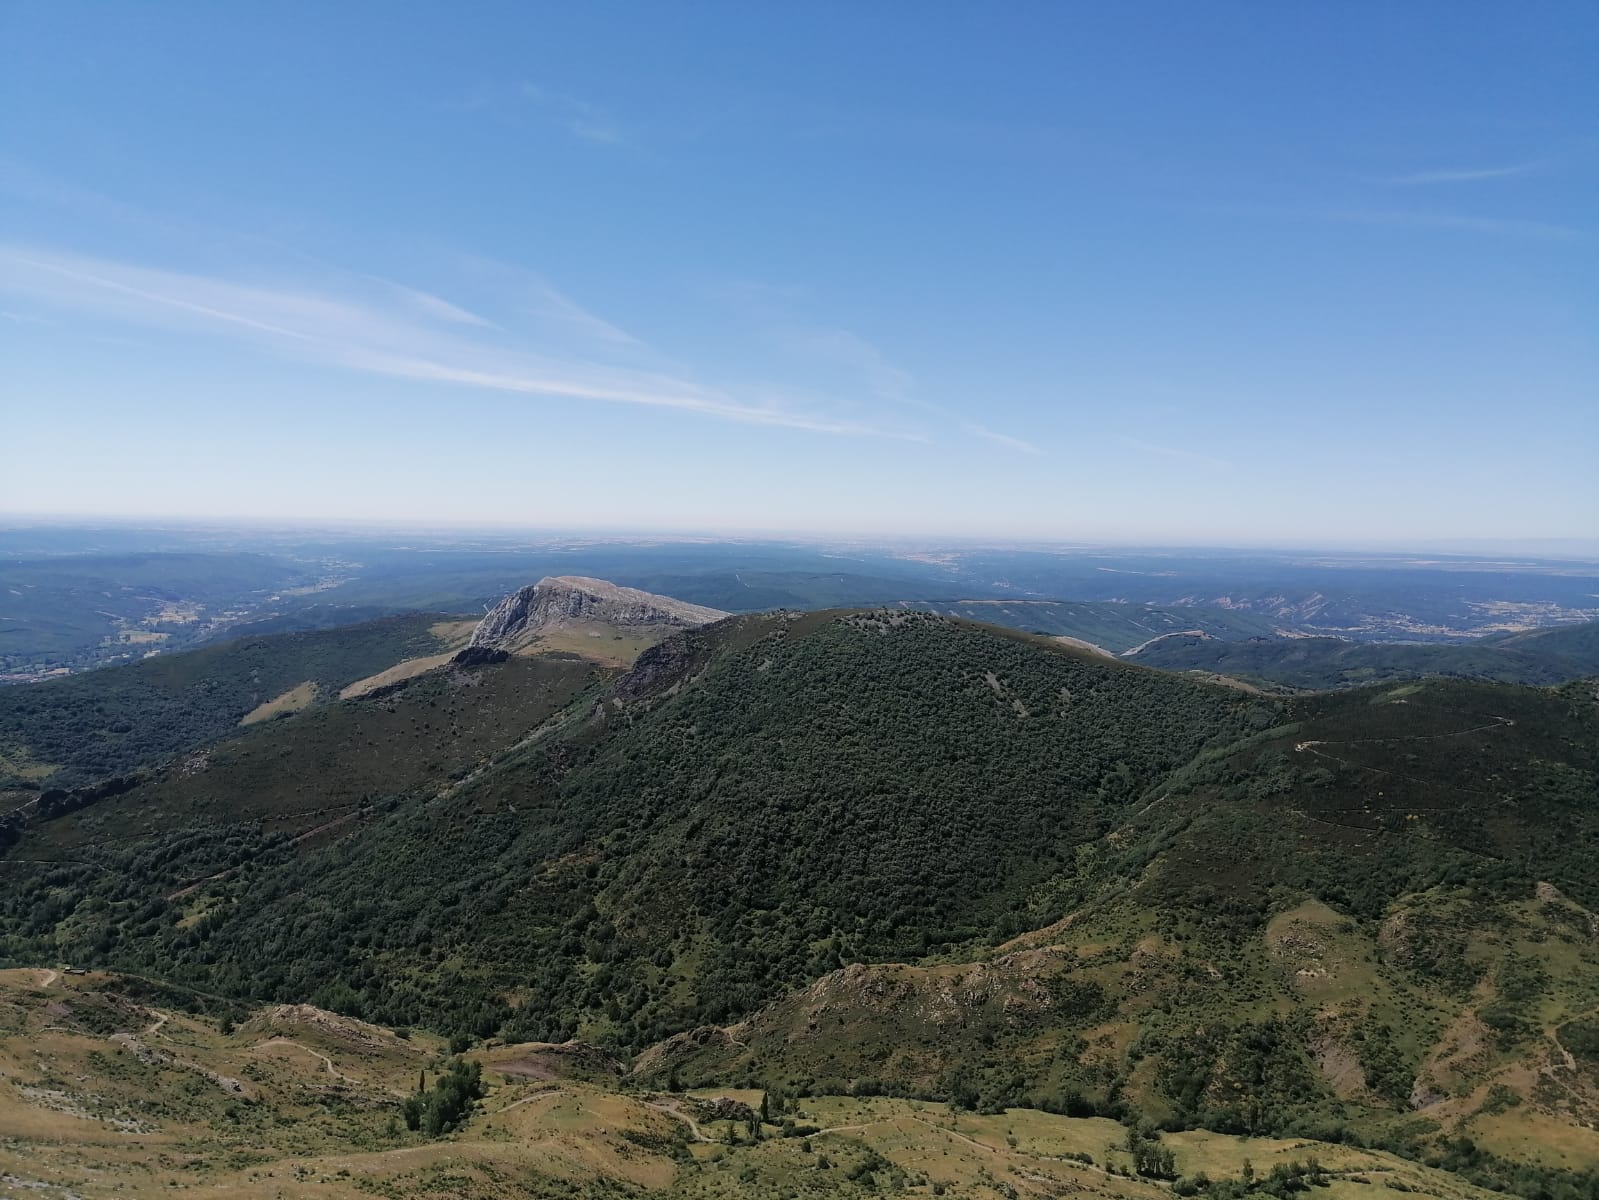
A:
[160, 1058]
[326, 1061]
[672, 1110]
[1568, 1059]
[1075, 1164]
[854, 1128]
[957, 1135]
[1161, 637]
[545, 1095]
[50, 975]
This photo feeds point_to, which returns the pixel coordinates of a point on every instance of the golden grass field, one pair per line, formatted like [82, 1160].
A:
[105, 1096]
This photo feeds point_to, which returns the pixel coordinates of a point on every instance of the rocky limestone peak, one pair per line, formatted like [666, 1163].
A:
[563, 600]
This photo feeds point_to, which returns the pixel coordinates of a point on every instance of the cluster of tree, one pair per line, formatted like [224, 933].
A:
[448, 1102]
[1150, 1158]
[1285, 1179]
[1485, 1169]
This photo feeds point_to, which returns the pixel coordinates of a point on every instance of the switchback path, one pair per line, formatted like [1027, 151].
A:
[326, 1061]
[672, 1110]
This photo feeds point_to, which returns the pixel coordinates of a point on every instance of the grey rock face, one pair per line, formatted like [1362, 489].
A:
[558, 601]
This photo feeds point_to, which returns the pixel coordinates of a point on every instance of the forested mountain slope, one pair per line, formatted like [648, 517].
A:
[79, 730]
[1373, 921]
[84, 727]
[324, 771]
[759, 801]
[1107, 889]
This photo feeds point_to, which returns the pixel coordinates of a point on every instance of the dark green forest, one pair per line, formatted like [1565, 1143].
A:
[110, 721]
[837, 789]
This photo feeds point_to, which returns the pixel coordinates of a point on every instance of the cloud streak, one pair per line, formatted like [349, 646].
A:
[842, 348]
[1000, 439]
[581, 118]
[1500, 226]
[409, 334]
[1462, 175]
[887, 380]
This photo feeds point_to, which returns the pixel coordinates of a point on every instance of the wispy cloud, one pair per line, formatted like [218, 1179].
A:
[1463, 223]
[1414, 219]
[413, 335]
[1463, 174]
[1000, 439]
[545, 301]
[842, 348]
[429, 305]
[583, 119]
[1177, 452]
[532, 296]
[884, 378]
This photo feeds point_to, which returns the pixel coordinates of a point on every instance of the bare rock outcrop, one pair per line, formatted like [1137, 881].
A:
[569, 601]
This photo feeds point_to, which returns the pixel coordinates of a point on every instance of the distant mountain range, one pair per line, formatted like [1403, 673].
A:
[76, 598]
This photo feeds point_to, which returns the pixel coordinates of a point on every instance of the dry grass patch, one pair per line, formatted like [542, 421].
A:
[300, 696]
[398, 673]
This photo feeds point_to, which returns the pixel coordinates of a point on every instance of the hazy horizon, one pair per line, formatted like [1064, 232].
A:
[1551, 548]
[1227, 276]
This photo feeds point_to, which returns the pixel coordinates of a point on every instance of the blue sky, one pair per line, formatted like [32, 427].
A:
[1159, 272]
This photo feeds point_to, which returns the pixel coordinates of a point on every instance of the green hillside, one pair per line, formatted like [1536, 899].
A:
[1576, 643]
[85, 727]
[878, 785]
[888, 852]
[334, 763]
[1541, 656]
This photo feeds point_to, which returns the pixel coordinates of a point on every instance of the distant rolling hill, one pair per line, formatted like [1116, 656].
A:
[1539, 656]
[82, 611]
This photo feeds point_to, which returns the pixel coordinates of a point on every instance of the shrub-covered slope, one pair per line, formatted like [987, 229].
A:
[326, 767]
[104, 722]
[1372, 921]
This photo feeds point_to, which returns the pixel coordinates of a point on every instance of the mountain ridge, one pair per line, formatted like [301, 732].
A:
[564, 601]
